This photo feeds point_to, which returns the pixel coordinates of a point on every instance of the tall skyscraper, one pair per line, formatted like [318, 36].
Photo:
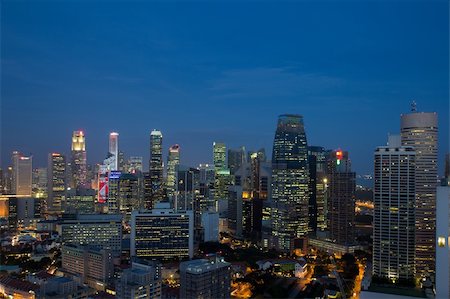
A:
[236, 158]
[290, 181]
[205, 278]
[222, 178]
[22, 178]
[420, 130]
[156, 165]
[341, 198]
[394, 220]
[317, 161]
[173, 160]
[79, 162]
[443, 242]
[134, 165]
[114, 149]
[56, 181]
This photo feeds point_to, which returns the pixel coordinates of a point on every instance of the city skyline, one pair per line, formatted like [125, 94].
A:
[198, 81]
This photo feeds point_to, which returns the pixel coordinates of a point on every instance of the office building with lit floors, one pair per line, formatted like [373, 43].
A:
[205, 278]
[341, 198]
[79, 161]
[443, 240]
[162, 233]
[22, 174]
[156, 166]
[394, 217]
[99, 230]
[56, 182]
[290, 183]
[420, 130]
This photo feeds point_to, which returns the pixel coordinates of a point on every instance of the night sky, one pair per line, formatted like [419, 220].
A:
[203, 72]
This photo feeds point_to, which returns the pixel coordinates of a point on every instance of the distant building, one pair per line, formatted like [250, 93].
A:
[22, 169]
[234, 216]
[173, 160]
[420, 130]
[442, 244]
[134, 164]
[162, 233]
[21, 211]
[222, 178]
[205, 278]
[101, 230]
[79, 161]
[56, 182]
[114, 149]
[156, 166]
[341, 198]
[81, 201]
[91, 265]
[394, 216]
[142, 280]
[236, 158]
[317, 161]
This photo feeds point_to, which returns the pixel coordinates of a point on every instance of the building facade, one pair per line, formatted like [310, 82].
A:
[56, 182]
[394, 213]
[205, 278]
[22, 174]
[156, 166]
[173, 160]
[341, 198]
[420, 131]
[79, 161]
[443, 242]
[162, 233]
[290, 183]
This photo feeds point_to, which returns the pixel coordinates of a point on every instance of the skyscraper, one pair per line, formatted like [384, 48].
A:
[419, 130]
[317, 160]
[394, 220]
[156, 166]
[173, 160]
[56, 181]
[290, 180]
[341, 198]
[222, 178]
[78, 162]
[22, 178]
[236, 158]
[114, 149]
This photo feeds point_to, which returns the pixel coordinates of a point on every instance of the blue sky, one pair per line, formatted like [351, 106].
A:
[218, 71]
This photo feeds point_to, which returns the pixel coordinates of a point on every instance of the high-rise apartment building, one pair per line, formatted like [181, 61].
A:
[290, 181]
[156, 166]
[420, 130]
[341, 198]
[56, 182]
[22, 175]
[162, 233]
[205, 278]
[173, 160]
[78, 161]
[394, 217]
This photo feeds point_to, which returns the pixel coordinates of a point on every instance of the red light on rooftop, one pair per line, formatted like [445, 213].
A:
[339, 155]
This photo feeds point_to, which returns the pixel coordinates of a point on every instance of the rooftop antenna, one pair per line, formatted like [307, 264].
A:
[413, 106]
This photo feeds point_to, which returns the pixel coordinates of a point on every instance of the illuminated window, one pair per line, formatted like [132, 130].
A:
[441, 242]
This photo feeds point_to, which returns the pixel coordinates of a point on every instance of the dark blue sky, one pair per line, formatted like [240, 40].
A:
[204, 72]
